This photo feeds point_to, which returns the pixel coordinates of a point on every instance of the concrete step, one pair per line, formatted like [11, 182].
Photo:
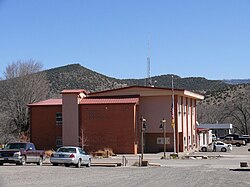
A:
[106, 164]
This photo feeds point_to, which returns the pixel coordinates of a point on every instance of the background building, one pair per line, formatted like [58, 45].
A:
[218, 129]
[111, 119]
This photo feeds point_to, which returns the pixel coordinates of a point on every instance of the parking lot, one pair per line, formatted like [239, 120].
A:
[214, 171]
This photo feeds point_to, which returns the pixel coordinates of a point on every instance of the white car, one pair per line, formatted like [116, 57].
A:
[220, 146]
[70, 155]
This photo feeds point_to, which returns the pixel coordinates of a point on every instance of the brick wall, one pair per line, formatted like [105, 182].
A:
[109, 126]
[44, 130]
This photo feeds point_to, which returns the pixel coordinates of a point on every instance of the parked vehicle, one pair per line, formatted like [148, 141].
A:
[69, 155]
[247, 138]
[219, 146]
[231, 140]
[235, 137]
[214, 138]
[21, 153]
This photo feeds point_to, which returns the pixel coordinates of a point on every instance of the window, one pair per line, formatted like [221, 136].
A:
[218, 143]
[67, 150]
[58, 142]
[81, 152]
[31, 146]
[58, 118]
[16, 146]
[179, 110]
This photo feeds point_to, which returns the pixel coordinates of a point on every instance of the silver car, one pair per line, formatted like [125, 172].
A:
[69, 155]
[216, 146]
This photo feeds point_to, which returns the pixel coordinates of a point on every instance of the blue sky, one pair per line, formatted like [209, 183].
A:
[188, 38]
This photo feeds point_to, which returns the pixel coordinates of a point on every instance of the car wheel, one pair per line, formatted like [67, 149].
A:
[54, 164]
[1, 164]
[23, 160]
[78, 165]
[237, 144]
[223, 149]
[40, 162]
[204, 149]
[66, 165]
[89, 163]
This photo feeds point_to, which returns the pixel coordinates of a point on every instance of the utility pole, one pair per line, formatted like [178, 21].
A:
[163, 126]
[143, 128]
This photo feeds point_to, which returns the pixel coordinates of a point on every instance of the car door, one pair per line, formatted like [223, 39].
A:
[31, 153]
[84, 157]
[210, 147]
[219, 145]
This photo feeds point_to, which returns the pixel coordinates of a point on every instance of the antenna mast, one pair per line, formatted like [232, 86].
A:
[148, 79]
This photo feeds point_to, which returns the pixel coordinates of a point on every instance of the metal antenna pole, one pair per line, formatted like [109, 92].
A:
[149, 81]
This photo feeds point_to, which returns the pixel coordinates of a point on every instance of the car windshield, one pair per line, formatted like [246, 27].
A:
[67, 150]
[15, 146]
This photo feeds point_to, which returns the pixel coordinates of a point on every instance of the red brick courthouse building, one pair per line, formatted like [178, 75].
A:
[111, 119]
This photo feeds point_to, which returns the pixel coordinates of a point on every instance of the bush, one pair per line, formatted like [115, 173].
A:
[48, 153]
[105, 153]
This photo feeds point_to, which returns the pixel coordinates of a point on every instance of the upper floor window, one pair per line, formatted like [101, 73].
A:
[179, 109]
[59, 118]
[58, 142]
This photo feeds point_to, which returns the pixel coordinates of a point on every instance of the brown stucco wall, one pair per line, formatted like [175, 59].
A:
[70, 119]
[43, 126]
[151, 145]
[109, 126]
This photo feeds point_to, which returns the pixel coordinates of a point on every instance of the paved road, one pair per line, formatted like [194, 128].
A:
[179, 172]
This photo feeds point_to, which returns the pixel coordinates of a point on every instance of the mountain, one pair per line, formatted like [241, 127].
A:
[218, 94]
[197, 84]
[237, 81]
[216, 107]
[75, 76]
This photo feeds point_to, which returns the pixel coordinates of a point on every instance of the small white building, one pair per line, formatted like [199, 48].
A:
[204, 136]
[218, 129]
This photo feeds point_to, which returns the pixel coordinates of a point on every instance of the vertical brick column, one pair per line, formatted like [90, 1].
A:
[70, 116]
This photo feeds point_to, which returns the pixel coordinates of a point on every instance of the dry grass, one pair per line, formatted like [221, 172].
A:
[105, 153]
[48, 153]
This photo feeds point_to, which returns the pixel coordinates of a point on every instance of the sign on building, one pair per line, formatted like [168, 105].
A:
[160, 140]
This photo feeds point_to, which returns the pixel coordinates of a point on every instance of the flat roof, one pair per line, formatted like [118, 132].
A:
[109, 100]
[146, 91]
[47, 102]
[216, 126]
[74, 91]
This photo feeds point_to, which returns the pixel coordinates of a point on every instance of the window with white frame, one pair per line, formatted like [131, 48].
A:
[58, 118]
[179, 109]
[58, 142]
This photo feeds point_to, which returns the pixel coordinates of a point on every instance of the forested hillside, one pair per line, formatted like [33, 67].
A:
[75, 76]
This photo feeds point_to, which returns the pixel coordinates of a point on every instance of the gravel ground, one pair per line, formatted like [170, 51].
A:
[177, 172]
